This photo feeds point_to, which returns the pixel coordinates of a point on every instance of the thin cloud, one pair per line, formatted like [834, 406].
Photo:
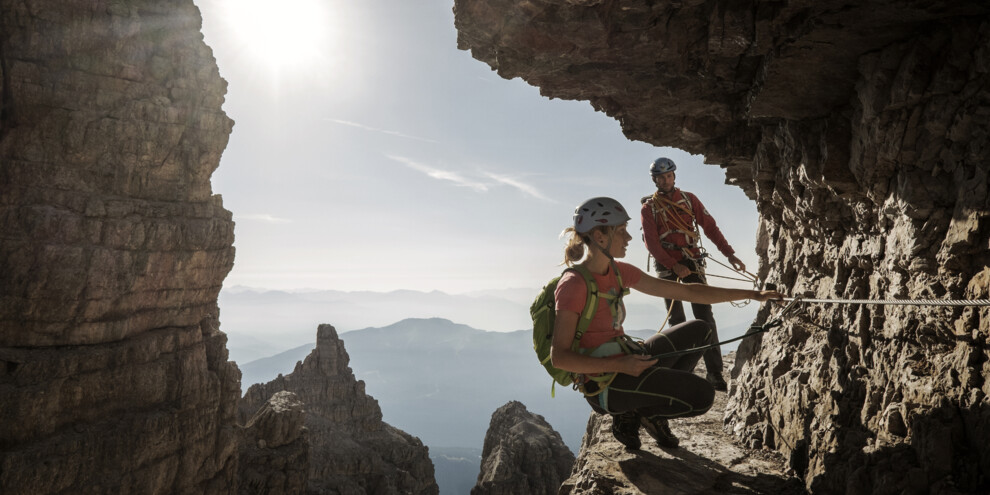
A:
[264, 217]
[381, 131]
[528, 189]
[436, 173]
[476, 184]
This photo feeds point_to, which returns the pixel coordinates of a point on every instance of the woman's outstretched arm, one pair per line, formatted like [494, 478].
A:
[700, 293]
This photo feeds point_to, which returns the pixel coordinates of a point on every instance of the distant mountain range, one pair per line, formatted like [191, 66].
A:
[441, 381]
[260, 323]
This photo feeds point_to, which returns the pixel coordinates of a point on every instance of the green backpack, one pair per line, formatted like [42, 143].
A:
[543, 311]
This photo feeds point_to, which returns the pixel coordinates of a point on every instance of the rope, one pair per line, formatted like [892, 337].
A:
[750, 277]
[897, 302]
[670, 310]
[776, 321]
[730, 278]
[753, 330]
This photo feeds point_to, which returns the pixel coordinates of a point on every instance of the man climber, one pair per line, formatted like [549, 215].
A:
[670, 219]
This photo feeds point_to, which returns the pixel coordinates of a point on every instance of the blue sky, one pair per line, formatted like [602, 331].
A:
[370, 154]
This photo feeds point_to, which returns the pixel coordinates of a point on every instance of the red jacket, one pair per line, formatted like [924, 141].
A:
[670, 226]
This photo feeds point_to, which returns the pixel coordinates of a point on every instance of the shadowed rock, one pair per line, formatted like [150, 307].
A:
[274, 453]
[522, 454]
[113, 371]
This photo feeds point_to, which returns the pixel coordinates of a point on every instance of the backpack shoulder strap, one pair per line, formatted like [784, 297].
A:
[623, 290]
[590, 305]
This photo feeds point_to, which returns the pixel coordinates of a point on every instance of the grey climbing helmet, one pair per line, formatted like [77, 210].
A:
[597, 212]
[662, 165]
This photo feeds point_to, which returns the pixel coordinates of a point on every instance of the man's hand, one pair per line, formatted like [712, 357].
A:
[737, 263]
[681, 271]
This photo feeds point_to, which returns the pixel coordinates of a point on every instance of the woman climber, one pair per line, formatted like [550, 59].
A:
[620, 376]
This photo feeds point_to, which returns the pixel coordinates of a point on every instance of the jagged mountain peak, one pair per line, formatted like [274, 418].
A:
[522, 454]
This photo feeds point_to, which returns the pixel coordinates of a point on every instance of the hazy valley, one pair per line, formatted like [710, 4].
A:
[260, 323]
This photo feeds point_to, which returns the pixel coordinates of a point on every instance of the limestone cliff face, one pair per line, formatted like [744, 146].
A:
[351, 449]
[522, 454]
[859, 128]
[113, 372]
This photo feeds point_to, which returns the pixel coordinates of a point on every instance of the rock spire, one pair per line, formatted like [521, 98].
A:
[522, 454]
[351, 449]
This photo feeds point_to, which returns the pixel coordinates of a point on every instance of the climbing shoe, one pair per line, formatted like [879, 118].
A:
[625, 429]
[717, 381]
[659, 429]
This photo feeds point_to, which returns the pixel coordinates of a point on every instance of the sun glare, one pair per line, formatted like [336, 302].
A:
[291, 34]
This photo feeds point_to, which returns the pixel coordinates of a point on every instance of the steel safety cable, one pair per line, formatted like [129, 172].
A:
[897, 302]
[791, 301]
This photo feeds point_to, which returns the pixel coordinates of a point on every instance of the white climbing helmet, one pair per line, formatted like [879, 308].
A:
[596, 212]
[662, 165]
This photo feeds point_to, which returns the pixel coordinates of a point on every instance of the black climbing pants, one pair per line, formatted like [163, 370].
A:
[668, 388]
[713, 356]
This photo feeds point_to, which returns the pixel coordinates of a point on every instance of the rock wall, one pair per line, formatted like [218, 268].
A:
[274, 449]
[859, 128]
[351, 449]
[113, 372]
[522, 454]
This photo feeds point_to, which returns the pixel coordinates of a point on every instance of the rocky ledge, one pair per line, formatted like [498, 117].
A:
[707, 462]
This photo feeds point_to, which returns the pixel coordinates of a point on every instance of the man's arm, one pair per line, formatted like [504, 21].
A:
[707, 223]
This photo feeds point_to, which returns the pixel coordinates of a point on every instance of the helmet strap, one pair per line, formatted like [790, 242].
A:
[605, 250]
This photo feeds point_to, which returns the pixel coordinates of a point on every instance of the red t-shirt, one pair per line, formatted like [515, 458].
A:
[572, 294]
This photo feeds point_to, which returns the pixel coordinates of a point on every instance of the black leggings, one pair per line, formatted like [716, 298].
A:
[668, 388]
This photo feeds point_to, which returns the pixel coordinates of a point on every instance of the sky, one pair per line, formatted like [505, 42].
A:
[369, 153]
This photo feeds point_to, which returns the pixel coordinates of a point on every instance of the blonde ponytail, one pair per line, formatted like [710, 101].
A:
[574, 252]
